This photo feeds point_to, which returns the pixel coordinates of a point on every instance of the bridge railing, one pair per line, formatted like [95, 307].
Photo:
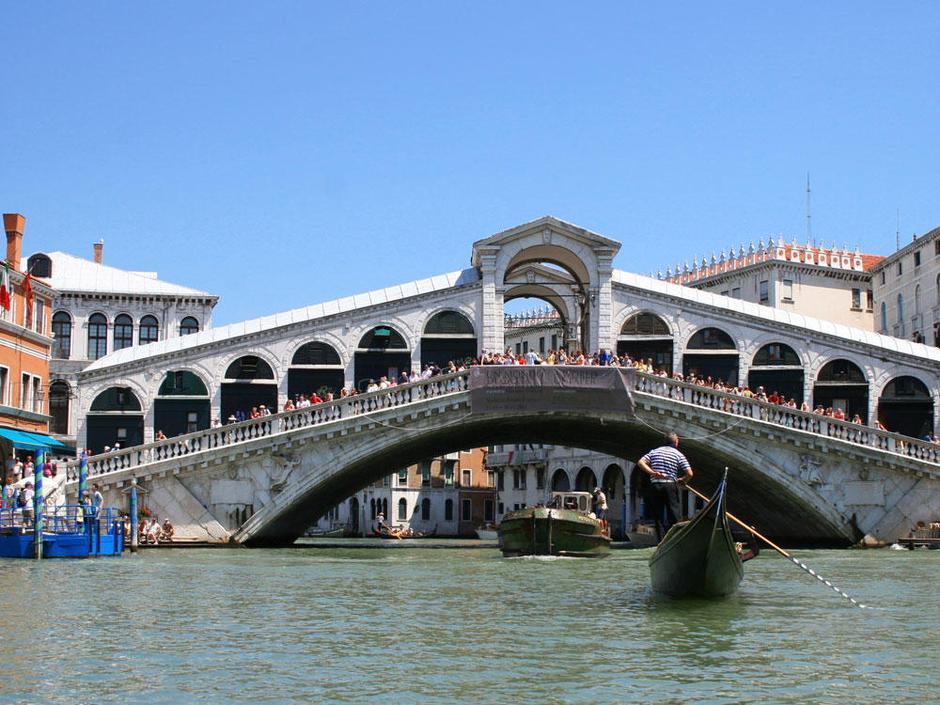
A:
[237, 433]
[785, 416]
[348, 407]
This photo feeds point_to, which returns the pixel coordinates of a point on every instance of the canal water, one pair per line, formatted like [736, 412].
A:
[458, 625]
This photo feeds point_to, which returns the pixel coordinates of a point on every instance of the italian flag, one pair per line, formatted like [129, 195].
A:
[5, 287]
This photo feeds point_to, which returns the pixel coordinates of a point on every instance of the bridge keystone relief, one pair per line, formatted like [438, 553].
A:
[796, 474]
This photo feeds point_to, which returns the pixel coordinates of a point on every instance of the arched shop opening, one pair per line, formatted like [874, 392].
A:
[586, 480]
[60, 400]
[645, 336]
[249, 382]
[905, 406]
[842, 385]
[116, 417]
[560, 481]
[713, 354]
[181, 405]
[382, 352]
[448, 336]
[315, 367]
[613, 488]
[776, 368]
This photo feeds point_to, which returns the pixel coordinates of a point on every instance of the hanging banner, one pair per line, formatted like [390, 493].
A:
[501, 389]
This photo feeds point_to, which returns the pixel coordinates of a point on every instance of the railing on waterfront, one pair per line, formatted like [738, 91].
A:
[63, 519]
[402, 395]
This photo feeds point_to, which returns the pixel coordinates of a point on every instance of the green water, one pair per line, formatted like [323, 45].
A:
[461, 625]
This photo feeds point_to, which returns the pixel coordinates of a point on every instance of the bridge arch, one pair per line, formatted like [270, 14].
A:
[116, 416]
[315, 365]
[447, 335]
[182, 404]
[560, 480]
[778, 367]
[586, 480]
[906, 406]
[646, 334]
[382, 351]
[249, 382]
[711, 352]
[842, 385]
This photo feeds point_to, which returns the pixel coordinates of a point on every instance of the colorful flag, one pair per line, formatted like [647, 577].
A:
[28, 295]
[5, 287]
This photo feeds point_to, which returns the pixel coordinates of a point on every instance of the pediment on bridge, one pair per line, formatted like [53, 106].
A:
[550, 231]
[533, 272]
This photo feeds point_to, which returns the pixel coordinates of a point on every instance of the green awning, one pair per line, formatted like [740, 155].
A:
[34, 441]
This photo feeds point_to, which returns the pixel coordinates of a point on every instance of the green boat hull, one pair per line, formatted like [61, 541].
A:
[698, 557]
[540, 531]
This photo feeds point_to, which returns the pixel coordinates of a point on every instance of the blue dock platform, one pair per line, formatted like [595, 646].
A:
[68, 532]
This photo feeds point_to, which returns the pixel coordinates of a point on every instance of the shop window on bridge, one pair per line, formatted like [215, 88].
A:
[714, 355]
[248, 384]
[189, 325]
[148, 330]
[448, 336]
[62, 334]
[181, 405]
[315, 367]
[60, 395]
[646, 336]
[560, 481]
[841, 385]
[906, 406]
[776, 367]
[382, 352]
[115, 416]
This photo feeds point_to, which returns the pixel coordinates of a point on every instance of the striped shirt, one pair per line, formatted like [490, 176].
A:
[669, 461]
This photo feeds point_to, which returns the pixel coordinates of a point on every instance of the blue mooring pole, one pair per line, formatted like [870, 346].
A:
[82, 475]
[39, 503]
[134, 515]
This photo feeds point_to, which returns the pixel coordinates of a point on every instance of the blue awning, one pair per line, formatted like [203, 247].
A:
[34, 441]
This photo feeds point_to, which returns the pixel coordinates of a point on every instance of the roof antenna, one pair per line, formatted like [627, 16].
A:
[897, 232]
[809, 215]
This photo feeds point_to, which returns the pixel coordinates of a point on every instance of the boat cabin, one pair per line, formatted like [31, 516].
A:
[577, 501]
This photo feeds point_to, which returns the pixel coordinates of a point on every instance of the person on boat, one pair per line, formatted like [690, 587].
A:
[667, 468]
[600, 504]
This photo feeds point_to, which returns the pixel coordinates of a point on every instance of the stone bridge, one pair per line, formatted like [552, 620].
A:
[793, 474]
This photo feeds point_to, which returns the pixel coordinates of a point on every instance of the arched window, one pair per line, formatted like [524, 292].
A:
[39, 265]
[711, 339]
[644, 324]
[774, 354]
[448, 323]
[449, 510]
[59, 393]
[116, 399]
[315, 353]
[841, 371]
[382, 338]
[149, 330]
[249, 367]
[182, 383]
[560, 481]
[425, 509]
[123, 332]
[97, 336]
[189, 325]
[62, 332]
[402, 509]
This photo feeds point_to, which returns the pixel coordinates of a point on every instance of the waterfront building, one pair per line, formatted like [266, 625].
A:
[447, 495]
[100, 309]
[907, 291]
[25, 344]
[829, 283]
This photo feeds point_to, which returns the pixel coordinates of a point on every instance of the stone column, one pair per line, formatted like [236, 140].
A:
[600, 302]
[492, 335]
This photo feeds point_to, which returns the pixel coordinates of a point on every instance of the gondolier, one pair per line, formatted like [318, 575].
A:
[667, 468]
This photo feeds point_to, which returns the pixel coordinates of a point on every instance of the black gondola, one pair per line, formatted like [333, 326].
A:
[699, 557]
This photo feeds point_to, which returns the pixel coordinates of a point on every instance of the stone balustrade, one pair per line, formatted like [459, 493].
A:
[402, 395]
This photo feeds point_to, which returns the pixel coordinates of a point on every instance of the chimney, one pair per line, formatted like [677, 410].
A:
[99, 246]
[14, 224]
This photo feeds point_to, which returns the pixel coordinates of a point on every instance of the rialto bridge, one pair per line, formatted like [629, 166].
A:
[183, 385]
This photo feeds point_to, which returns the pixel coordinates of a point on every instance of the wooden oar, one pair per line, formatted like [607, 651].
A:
[779, 550]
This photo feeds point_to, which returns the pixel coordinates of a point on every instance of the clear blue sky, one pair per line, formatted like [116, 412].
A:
[280, 154]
